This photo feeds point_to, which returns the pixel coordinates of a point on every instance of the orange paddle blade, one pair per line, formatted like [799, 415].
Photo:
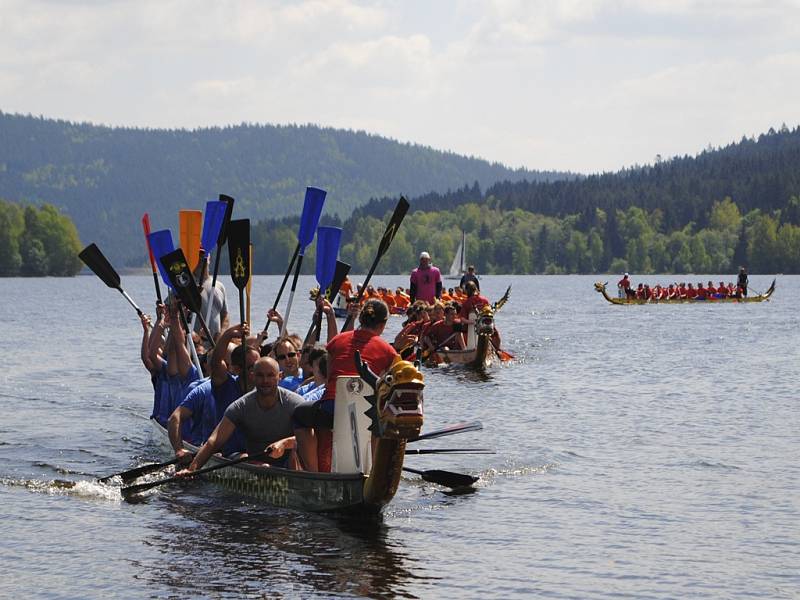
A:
[191, 226]
[504, 356]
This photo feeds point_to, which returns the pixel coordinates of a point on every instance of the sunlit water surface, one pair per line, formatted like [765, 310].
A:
[646, 451]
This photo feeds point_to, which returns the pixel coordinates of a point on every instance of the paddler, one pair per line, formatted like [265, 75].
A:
[263, 417]
[311, 419]
[218, 321]
[205, 405]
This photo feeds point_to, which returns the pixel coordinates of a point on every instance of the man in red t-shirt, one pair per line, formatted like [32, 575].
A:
[374, 350]
[445, 332]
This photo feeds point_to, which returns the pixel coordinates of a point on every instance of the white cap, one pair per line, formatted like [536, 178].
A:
[424, 255]
[626, 274]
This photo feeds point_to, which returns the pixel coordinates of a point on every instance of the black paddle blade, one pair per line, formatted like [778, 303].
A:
[223, 233]
[445, 478]
[94, 259]
[394, 224]
[182, 280]
[136, 472]
[342, 269]
[239, 251]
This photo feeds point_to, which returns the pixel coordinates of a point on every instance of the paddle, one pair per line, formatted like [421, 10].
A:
[445, 478]
[190, 224]
[135, 489]
[414, 451]
[342, 269]
[132, 474]
[239, 257]
[452, 429]
[213, 220]
[312, 209]
[391, 230]
[161, 244]
[249, 280]
[283, 284]
[146, 227]
[182, 281]
[328, 240]
[94, 259]
[222, 235]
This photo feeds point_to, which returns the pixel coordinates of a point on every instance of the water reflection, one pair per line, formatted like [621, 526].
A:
[218, 545]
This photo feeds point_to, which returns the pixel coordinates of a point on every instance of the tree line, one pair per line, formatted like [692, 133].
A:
[35, 242]
[521, 242]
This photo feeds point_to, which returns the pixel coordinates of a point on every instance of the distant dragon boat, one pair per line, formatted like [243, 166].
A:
[360, 481]
[601, 289]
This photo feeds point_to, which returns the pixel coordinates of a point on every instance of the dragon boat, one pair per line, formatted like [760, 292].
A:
[480, 353]
[390, 406]
[601, 289]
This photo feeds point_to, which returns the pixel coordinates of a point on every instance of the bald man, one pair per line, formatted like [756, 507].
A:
[263, 416]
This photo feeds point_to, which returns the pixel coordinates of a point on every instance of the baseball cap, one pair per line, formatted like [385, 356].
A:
[424, 255]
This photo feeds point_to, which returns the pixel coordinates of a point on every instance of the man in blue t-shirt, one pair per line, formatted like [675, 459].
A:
[289, 363]
[204, 406]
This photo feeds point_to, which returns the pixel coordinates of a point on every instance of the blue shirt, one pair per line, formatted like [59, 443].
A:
[315, 394]
[304, 389]
[292, 382]
[170, 391]
[208, 404]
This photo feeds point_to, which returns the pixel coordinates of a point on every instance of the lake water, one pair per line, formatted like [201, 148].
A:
[642, 451]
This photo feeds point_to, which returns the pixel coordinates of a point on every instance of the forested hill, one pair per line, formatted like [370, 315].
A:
[104, 178]
[756, 173]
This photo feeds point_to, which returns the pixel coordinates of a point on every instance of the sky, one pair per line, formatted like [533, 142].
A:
[570, 85]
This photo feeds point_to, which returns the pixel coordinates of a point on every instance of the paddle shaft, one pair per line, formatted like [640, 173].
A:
[134, 489]
[388, 235]
[132, 474]
[146, 227]
[130, 300]
[291, 294]
[283, 284]
[445, 478]
[244, 341]
[452, 429]
[419, 451]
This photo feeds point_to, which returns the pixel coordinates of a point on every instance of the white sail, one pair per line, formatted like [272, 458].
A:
[459, 264]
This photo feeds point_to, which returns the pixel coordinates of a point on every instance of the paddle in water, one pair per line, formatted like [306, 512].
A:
[131, 474]
[312, 209]
[94, 259]
[391, 230]
[239, 257]
[445, 478]
[136, 489]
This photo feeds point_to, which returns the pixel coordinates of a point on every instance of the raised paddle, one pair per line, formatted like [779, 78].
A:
[445, 478]
[161, 244]
[94, 259]
[141, 487]
[239, 258]
[342, 269]
[191, 223]
[452, 429]
[328, 240]
[222, 236]
[312, 209]
[391, 230]
[249, 287]
[132, 474]
[146, 228]
[185, 287]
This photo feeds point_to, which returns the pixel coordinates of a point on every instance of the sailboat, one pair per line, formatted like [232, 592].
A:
[459, 264]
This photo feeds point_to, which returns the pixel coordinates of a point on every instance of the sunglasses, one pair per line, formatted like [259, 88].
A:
[285, 356]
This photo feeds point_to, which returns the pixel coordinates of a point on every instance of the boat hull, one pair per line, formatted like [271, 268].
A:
[314, 492]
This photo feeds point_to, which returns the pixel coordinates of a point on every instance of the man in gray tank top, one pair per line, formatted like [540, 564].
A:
[263, 416]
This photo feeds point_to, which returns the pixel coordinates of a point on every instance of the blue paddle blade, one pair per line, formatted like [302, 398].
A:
[161, 245]
[312, 209]
[212, 224]
[328, 240]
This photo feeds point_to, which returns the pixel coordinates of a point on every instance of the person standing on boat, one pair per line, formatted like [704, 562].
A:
[312, 419]
[426, 281]
[470, 276]
[623, 286]
[741, 282]
[263, 416]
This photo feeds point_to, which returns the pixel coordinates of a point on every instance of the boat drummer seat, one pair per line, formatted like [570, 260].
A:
[352, 440]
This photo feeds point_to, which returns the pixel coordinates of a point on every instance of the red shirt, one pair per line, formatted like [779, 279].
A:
[439, 332]
[375, 351]
[476, 301]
